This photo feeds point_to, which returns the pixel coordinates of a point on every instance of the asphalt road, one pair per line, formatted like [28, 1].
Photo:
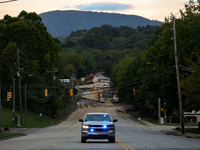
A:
[130, 135]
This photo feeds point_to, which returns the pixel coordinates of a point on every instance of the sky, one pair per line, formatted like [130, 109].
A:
[150, 9]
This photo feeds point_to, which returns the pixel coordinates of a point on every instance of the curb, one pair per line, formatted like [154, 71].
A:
[177, 133]
[11, 137]
[172, 131]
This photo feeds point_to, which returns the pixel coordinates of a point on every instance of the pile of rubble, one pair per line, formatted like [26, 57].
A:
[84, 103]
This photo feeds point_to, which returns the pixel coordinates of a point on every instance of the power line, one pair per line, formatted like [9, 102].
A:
[8, 1]
[185, 68]
[142, 79]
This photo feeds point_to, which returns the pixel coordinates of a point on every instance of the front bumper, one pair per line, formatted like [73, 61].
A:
[98, 135]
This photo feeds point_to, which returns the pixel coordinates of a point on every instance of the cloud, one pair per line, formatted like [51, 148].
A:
[65, 7]
[104, 6]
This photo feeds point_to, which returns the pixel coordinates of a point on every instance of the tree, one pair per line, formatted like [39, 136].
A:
[38, 51]
[109, 45]
[109, 59]
[71, 63]
[87, 41]
[191, 86]
[154, 73]
[89, 61]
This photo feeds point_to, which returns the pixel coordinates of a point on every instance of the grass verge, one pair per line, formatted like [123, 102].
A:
[5, 135]
[191, 130]
[188, 130]
[33, 120]
[151, 120]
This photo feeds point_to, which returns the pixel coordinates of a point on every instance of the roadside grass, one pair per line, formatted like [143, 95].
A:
[5, 135]
[190, 130]
[154, 121]
[33, 119]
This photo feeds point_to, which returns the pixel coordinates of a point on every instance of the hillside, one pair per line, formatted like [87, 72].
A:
[60, 23]
[103, 47]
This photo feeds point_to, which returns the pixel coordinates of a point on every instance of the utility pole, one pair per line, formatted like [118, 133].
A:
[20, 96]
[25, 107]
[178, 79]
[0, 106]
[165, 111]
[13, 101]
[159, 107]
[73, 79]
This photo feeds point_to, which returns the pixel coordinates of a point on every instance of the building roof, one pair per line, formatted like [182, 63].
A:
[91, 75]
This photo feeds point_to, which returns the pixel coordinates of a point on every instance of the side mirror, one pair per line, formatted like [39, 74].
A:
[115, 120]
[80, 120]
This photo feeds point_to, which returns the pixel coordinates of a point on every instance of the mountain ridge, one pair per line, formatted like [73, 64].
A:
[61, 23]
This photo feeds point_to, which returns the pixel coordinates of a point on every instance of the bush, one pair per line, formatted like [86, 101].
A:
[199, 125]
[154, 115]
[175, 119]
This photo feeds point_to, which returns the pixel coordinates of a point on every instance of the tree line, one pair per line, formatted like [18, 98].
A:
[103, 47]
[152, 73]
[29, 52]
[141, 58]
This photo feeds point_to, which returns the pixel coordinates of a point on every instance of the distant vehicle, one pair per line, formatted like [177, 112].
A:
[98, 126]
[106, 83]
[105, 78]
[102, 100]
[100, 78]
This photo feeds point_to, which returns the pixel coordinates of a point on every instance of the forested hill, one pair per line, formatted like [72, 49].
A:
[60, 23]
[103, 47]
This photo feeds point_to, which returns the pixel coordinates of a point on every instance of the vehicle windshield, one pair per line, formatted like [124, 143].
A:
[98, 117]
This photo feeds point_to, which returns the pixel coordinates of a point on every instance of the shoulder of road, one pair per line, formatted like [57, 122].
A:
[170, 130]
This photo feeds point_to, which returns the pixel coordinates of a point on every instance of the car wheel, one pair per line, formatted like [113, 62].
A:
[83, 140]
[112, 140]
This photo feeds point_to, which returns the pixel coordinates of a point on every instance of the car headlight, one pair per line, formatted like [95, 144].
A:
[85, 127]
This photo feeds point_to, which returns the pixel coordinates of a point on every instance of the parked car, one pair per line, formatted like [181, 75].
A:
[106, 83]
[98, 126]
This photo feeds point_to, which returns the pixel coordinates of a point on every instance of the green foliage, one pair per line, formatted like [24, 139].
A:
[191, 86]
[152, 73]
[191, 130]
[6, 135]
[103, 47]
[38, 50]
[33, 119]
[71, 63]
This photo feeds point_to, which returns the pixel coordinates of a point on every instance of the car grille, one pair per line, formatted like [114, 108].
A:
[99, 128]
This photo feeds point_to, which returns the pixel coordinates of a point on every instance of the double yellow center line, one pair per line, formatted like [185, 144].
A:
[122, 144]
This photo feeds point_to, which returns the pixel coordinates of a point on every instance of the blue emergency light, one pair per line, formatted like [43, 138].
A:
[91, 130]
[104, 126]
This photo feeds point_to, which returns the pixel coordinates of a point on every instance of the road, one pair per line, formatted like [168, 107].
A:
[130, 135]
